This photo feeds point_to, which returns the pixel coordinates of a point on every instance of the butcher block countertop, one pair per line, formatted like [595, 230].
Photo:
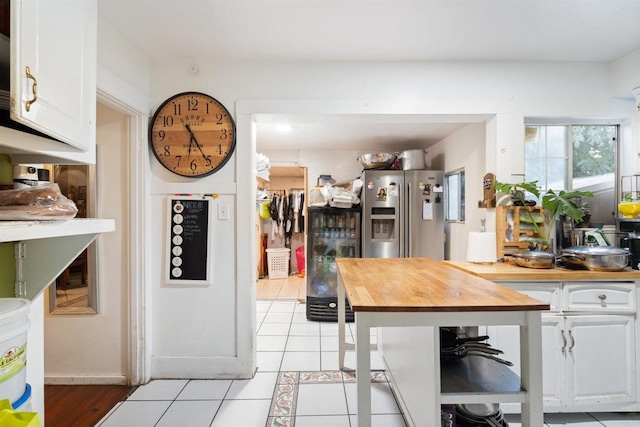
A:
[506, 271]
[424, 285]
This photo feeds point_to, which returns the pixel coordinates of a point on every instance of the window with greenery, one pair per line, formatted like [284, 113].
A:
[569, 157]
[575, 157]
[454, 195]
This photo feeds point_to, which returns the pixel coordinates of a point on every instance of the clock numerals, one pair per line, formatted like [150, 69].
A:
[192, 134]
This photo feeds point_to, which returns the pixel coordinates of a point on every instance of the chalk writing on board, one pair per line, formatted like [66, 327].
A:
[188, 251]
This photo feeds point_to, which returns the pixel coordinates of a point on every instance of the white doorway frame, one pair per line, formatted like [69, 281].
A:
[136, 309]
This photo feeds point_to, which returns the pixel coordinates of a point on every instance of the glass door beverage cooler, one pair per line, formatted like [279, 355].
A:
[333, 233]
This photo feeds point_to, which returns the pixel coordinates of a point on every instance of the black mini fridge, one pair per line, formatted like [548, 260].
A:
[332, 233]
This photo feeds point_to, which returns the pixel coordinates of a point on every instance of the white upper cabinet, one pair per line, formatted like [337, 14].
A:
[53, 76]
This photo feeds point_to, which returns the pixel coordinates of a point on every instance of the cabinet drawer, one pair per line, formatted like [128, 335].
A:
[548, 292]
[600, 296]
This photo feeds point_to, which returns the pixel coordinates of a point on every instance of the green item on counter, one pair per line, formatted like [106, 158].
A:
[11, 418]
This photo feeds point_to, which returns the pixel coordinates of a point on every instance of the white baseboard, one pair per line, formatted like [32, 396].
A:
[85, 380]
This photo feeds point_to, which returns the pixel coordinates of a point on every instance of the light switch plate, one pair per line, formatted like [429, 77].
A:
[223, 211]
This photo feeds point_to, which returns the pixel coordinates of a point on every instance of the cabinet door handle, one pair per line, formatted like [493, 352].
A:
[564, 341]
[34, 89]
[573, 341]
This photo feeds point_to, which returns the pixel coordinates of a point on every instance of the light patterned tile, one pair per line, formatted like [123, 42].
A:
[281, 422]
[283, 404]
[286, 377]
[319, 377]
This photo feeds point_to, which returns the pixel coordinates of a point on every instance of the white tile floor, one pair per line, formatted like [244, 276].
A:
[288, 342]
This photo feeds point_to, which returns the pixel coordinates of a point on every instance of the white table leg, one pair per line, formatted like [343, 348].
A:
[341, 323]
[435, 374]
[531, 369]
[363, 368]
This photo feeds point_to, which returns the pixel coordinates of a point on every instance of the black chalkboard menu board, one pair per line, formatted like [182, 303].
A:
[188, 244]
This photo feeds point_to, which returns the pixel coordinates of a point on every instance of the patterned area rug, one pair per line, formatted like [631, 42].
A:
[283, 405]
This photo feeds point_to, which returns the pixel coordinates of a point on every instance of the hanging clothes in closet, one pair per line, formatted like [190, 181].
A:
[287, 215]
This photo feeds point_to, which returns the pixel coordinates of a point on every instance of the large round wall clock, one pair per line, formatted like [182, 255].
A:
[192, 134]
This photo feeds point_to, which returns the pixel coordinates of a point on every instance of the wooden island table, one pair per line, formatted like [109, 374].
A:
[409, 299]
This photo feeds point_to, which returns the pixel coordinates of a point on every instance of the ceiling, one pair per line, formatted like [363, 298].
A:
[378, 30]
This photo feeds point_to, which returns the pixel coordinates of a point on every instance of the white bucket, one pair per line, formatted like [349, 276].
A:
[14, 324]
[23, 404]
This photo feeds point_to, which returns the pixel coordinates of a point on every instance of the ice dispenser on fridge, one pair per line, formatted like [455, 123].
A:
[402, 214]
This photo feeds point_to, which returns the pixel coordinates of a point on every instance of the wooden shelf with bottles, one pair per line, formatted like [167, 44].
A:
[519, 231]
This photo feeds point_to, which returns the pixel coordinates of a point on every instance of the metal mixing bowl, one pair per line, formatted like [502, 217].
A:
[377, 160]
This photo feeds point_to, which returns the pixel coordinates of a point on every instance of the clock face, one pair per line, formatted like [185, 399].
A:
[192, 134]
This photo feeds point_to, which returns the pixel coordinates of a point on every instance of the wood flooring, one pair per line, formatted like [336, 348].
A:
[80, 405]
[85, 405]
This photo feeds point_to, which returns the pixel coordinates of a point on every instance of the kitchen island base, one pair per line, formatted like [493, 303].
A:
[409, 299]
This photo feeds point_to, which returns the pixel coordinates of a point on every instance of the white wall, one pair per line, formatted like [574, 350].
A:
[509, 90]
[90, 349]
[463, 149]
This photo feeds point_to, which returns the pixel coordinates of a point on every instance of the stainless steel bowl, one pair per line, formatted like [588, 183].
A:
[534, 259]
[596, 258]
[377, 160]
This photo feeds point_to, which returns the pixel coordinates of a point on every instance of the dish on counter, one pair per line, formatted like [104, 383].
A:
[534, 259]
[595, 258]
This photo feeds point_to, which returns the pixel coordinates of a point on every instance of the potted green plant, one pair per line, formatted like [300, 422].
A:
[566, 203]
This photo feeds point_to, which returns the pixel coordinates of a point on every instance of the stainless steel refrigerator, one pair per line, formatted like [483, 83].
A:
[403, 214]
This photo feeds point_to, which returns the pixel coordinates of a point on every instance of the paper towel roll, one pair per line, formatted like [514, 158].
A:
[481, 247]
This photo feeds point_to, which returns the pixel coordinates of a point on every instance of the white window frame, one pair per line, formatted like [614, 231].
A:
[459, 198]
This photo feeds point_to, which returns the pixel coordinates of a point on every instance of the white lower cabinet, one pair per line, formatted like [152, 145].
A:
[589, 359]
[600, 359]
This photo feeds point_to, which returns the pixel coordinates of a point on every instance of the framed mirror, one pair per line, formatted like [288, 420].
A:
[75, 290]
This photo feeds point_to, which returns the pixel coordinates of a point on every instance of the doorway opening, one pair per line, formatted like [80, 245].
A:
[282, 234]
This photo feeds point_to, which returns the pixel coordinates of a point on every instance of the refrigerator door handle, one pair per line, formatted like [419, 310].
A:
[408, 219]
[400, 227]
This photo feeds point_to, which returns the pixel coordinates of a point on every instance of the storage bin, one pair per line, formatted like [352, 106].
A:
[14, 325]
[278, 263]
